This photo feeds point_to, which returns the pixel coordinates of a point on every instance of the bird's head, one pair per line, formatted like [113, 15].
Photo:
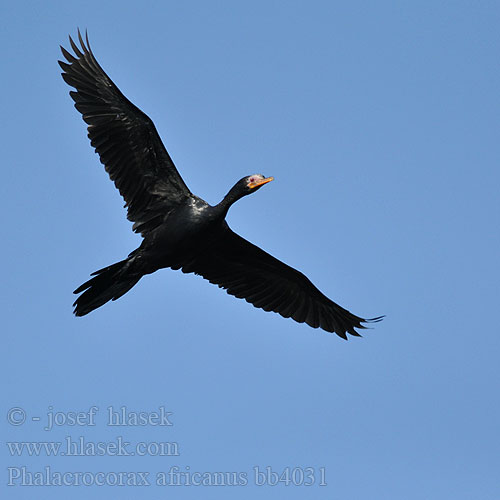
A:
[253, 183]
[243, 187]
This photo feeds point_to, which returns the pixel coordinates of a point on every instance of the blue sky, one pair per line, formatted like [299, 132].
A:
[380, 122]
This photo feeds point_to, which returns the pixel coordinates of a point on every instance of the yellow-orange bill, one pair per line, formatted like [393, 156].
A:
[260, 182]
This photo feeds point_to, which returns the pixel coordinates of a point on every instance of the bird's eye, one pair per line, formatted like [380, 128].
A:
[252, 179]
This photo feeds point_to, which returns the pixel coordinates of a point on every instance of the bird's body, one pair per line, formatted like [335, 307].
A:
[189, 227]
[179, 229]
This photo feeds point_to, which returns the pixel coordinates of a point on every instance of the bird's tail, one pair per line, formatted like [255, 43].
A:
[109, 283]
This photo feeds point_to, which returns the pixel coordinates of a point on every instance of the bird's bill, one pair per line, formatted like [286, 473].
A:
[260, 182]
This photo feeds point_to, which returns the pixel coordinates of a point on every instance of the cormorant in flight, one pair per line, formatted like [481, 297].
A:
[179, 229]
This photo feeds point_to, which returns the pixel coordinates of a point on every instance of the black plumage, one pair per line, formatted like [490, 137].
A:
[179, 229]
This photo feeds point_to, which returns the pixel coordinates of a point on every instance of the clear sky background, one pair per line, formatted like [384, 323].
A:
[380, 123]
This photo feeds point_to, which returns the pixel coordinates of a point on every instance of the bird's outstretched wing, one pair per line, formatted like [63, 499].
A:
[125, 139]
[247, 272]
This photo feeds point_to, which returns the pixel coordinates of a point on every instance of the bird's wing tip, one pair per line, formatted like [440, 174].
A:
[374, 320]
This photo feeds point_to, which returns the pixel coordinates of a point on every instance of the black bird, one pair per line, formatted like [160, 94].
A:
[179, 229]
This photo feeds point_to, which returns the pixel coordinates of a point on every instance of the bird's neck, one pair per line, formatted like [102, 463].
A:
[233, 196]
